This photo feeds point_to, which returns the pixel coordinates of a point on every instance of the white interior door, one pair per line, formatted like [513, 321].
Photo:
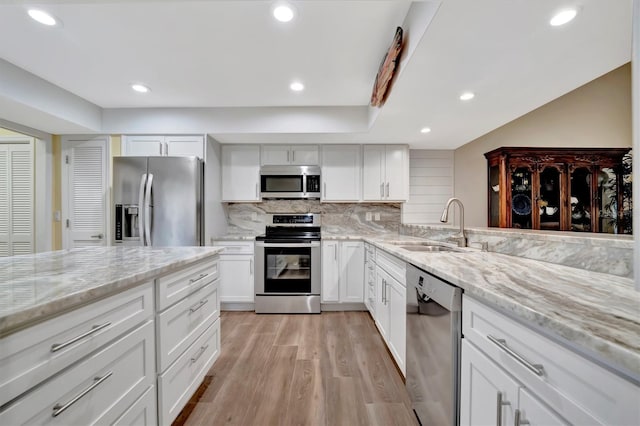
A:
[85, 191]
[16, 198]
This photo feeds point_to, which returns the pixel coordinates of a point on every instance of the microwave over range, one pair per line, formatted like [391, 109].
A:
[290, 182]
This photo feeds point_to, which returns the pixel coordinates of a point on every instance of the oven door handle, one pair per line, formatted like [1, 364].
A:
[298, 245]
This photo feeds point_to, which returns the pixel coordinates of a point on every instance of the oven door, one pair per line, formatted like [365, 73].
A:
[287, 268]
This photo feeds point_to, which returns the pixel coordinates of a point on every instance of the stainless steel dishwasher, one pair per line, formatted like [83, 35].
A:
[434, 330]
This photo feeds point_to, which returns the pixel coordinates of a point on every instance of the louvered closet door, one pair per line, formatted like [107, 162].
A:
[85, 170]
[16, 199]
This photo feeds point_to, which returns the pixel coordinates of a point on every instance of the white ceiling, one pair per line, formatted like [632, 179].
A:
[231, 56]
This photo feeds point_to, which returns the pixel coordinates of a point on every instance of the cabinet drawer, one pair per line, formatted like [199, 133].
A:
[36, 353]
[96, 390]
[395, 267]
[180, 381]
[143, 412]
[181, 324]
[235, 247]
[577, 388]
[175, 286]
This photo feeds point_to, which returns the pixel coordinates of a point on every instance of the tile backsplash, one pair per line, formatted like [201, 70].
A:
[250, 218]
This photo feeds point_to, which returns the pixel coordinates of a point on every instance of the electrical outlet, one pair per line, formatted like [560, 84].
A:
[368, 216]
[254, 216]
[377, 216]
[57, 216]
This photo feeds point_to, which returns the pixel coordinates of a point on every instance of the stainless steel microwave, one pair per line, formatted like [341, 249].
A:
[290, 181]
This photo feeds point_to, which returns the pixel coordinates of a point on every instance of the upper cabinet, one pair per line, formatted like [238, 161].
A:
[385, 173]
[240, 172]
[341, 173]
[564, 189]
[154, 145]
[300, 155]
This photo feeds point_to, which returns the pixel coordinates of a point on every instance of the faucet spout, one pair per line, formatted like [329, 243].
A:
[459, 236]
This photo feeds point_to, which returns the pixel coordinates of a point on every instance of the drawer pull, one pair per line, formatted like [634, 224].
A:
[198, 306]
[57, 346]
[193, 280]
[537, 369]
[59, 409]
[202, 349]
[499, 405]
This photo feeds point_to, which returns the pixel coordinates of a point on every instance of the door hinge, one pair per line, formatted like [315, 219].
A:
[66, 159]
[68, 222]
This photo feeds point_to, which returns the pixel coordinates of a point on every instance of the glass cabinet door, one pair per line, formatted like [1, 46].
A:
[549, 201]
[607, 201]
[521, 209]
[581, 199]
[494, 196]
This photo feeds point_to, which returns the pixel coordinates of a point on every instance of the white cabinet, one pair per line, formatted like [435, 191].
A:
[342, 272]
[240, 173]
[385, 173]
[390, 312]
[370, 278]
[236, 274]
[159, 145]
[544, 382]
[341, 173]
[301, 155]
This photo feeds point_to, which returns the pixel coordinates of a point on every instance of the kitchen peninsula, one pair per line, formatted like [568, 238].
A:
[97, 334]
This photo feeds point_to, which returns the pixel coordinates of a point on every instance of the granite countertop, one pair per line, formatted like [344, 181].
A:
[36, 287]
[235, 237]
[598, 314]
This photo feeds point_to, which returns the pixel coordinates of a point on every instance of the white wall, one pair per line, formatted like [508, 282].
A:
[430, 185]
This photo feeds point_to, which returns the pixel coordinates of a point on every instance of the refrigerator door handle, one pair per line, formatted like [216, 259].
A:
[143, 181]
[147, 211]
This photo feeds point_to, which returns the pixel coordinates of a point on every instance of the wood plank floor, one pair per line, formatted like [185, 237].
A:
[329, 369]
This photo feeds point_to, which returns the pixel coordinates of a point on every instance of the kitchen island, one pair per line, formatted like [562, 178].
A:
[97, 334]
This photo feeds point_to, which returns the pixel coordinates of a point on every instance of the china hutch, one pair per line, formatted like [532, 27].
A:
[564, 189]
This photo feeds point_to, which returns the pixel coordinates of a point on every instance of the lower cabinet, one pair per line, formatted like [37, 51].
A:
[512, 375]
[369, 278]
[390, 312]
[237, 275]
[96, 390]
[342, 272]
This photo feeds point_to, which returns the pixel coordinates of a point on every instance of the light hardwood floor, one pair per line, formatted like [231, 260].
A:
[329, 369]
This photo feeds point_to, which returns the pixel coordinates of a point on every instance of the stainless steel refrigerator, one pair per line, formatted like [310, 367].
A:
[158, 201]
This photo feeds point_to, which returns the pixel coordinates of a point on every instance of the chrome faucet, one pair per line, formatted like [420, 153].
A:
[458, 237]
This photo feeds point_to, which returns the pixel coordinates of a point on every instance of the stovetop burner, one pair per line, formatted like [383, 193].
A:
[292, 228]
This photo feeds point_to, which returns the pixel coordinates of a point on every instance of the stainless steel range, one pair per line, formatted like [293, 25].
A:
[288, 265]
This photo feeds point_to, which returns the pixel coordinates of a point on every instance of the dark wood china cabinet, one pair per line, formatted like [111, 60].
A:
[564, 189]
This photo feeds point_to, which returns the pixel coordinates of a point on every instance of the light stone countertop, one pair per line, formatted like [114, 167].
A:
[235, 237]
[597, 314]
[36, 287]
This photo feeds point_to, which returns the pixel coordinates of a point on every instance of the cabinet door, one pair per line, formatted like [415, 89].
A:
[535, 413]
[185, 146]
[351, 271]
[396, 173]
[397, 295]
[382, 304]
[330, 272]
[341, 173]
[373, 172]
[143, 145]
[275, 155]
[240, 173]
[237, 275]
[304, 155]
[486, 390]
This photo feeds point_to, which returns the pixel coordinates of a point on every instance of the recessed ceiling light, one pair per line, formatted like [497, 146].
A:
[283, 12]
[296, 86]
[466, 96]
[140, 88]
[425, 130]
[563, 17]
[43, 17]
